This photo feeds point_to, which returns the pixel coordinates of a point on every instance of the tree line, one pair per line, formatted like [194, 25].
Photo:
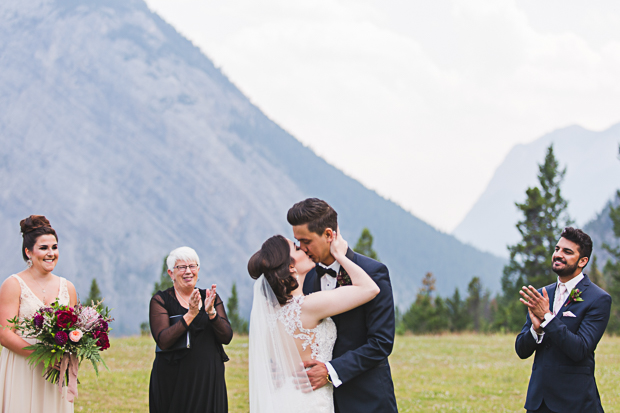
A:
[544, 215]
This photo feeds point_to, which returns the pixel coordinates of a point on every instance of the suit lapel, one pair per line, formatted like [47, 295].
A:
[317, 282]
[350, 254]
[551, 293]
[581, 286]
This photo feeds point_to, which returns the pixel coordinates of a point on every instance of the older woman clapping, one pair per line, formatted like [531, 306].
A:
[189, 326]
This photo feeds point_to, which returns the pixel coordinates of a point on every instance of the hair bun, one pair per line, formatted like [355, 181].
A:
[33, 222]
[256, 265]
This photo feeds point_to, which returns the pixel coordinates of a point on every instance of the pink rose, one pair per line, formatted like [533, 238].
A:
[75, 335]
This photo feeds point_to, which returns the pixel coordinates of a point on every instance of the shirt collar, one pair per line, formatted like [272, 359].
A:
[334, 266]
[572, 283]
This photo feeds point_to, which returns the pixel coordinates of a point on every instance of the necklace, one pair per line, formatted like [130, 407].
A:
[181, 298]
[186, 301]
[42, 288]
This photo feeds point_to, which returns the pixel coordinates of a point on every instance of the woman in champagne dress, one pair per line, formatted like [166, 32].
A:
[22, 387]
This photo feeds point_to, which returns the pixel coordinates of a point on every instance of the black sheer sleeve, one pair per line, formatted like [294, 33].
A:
[165, 335]
[220, 323]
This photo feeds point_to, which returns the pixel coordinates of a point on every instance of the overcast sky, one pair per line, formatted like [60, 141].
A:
[418, 100]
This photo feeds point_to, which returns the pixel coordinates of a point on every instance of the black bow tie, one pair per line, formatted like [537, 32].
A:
[321, 271]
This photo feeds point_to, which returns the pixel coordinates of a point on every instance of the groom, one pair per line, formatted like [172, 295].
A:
[359, 370]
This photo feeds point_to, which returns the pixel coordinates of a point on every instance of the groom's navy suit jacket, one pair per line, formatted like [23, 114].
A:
[563, 370]
[365, 340]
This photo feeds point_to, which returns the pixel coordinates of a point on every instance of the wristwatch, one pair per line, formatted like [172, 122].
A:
[213, 314]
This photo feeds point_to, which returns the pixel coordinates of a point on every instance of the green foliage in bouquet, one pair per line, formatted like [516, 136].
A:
[63, 332]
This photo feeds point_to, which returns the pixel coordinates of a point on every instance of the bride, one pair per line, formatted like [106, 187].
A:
[288, 328]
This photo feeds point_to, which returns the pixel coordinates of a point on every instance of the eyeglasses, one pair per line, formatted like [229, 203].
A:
[182, 268]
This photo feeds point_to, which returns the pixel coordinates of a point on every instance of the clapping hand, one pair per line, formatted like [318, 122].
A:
[210, 299]
[536, 302]
[536, 322]
[194, 302]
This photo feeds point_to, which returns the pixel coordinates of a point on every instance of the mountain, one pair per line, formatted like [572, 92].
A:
[592, 177]
[601, 231]
[132, 143]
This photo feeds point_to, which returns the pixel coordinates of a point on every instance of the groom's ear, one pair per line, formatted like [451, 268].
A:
[329, 234]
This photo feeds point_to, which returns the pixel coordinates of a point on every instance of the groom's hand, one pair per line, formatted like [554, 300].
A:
[317, 373]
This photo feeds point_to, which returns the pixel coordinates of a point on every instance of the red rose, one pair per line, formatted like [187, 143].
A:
[65, 319]
[103, 342]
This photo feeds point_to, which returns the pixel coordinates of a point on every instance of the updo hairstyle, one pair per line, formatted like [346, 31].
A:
[273, 261]
[32, 228]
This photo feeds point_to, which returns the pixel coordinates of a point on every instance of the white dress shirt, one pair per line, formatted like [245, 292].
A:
[329, 283]
[570, 285]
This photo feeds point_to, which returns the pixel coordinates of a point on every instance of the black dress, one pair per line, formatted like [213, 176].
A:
[188, 380]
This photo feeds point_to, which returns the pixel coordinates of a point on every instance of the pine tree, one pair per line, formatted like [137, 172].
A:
[165, 281]
[427, 314]
[94, 296]
[474, 302]
[595, 274]
[544, 216]
[612, 271]
[237, 323]
[428, 284]
[457, 315]
[364, 245]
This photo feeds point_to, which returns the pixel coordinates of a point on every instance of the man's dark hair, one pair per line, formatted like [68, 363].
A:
[314, 212]
[580, 238]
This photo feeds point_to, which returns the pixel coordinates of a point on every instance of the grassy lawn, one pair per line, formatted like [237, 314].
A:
[448, 373]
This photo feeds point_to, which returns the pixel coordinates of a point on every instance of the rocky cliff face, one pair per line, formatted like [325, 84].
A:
[601, 231]
[592, 178]
[132, 143]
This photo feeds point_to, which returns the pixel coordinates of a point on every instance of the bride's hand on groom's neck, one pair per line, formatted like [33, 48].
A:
[338, 247]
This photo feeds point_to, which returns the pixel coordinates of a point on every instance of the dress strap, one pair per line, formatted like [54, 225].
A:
[20, 281]
[25, 290]
[63, 292]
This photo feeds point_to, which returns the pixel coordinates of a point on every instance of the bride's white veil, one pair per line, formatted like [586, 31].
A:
[275, 367]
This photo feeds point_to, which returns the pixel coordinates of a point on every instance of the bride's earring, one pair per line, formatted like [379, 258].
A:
[29, 262]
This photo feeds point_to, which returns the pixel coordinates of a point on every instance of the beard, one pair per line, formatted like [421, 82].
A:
[567, 270]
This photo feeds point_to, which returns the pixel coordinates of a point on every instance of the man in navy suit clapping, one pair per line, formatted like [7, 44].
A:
[565, 322]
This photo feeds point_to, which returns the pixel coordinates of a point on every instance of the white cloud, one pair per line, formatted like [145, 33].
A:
[418, 101]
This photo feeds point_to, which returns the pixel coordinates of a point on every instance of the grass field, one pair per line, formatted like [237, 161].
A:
[447, 373]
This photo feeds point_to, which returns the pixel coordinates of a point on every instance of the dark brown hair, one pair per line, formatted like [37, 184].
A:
[273, 261]
[32, 228]
[314, 212]
[580, 238]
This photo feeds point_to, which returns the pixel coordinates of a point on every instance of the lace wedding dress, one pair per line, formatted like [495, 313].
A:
[277, 338]
[320, 340]
[22, 388]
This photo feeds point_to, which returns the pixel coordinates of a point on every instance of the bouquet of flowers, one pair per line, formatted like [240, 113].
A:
[67, 336]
